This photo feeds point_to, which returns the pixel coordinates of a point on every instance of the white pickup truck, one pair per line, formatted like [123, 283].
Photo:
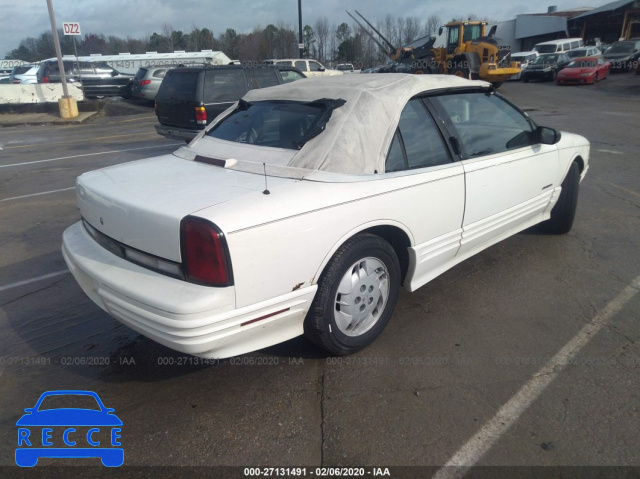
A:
[311, 68]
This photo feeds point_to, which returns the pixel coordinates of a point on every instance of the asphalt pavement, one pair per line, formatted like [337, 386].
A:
[522, 360]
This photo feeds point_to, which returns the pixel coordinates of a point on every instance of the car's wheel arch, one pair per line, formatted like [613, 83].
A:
[395, 233]
[576, 159]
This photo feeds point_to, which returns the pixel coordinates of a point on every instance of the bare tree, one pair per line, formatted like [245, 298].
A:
[400, 31]
[333, 43]
[167, 33]
[286, 45]
[389, 29]
[432, 25]
[322, 34]
[411, 29]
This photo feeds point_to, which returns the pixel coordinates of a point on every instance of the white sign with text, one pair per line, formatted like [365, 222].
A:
[71, 28]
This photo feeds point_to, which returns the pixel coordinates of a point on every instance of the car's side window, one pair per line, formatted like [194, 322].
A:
[395, 159]
[100, 68]
[224, 85]
[417, 142]
[314, 66]
[262, 77]
[484, 123]
[301, 65]
[289, 76]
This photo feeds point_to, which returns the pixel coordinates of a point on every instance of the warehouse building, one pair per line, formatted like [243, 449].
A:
[522, 33]
[610, 22]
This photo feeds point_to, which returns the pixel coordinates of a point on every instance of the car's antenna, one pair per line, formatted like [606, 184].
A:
[266, 190]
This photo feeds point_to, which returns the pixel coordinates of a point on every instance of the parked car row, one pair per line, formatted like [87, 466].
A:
[97, 79]
[584, 64]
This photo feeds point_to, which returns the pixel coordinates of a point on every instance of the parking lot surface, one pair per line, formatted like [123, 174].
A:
[526, 355]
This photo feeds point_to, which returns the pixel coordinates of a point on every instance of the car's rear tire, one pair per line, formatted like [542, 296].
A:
[564, 211]
[356, 295]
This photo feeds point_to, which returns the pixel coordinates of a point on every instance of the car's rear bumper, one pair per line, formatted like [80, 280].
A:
[176, 133]
[190, 318]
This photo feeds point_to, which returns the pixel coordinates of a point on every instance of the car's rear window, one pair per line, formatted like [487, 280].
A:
[224, 85]
[179, 85]
[141, 73]
[21, 70]
[577, 53]
[278, 124]
[621, 48]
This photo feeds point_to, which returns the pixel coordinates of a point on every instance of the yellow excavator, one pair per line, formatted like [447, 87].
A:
[469, 53]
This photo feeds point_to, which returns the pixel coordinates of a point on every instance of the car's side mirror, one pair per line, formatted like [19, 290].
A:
[440, 31]
[321, 69]
[114, 73]
[548, 136]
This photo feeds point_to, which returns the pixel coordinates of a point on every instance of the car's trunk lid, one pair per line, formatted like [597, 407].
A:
[141, 204]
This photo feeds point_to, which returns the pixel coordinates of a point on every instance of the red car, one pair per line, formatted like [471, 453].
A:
[587, 70]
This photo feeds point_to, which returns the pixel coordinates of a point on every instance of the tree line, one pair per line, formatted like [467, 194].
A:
[329, 43]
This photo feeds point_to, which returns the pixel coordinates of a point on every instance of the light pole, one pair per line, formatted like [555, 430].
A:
[300, 42]
[67, 104]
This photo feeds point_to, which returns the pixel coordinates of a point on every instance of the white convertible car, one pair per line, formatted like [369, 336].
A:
[305, 207]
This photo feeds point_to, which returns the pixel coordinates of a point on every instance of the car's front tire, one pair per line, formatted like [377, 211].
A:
[564, 211]
[356, 295]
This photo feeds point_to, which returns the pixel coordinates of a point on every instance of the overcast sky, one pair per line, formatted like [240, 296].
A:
[138, 18]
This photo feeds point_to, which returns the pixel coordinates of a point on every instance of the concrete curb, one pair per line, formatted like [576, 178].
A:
[20, 119]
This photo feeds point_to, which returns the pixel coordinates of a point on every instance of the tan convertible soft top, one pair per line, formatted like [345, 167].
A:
[357, 138]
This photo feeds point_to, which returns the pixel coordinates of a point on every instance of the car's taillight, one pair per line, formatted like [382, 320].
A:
[45, 80]
[145, 82]
[201, 115]
[205, 256]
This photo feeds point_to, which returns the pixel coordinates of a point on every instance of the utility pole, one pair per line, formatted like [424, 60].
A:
[300, 41]
[67, 104]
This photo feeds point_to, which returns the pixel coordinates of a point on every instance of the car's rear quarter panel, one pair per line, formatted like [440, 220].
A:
[282, 241]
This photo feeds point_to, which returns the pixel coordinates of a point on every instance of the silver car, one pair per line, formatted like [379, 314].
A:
[24, 74]
[147, 82]
[525, 58]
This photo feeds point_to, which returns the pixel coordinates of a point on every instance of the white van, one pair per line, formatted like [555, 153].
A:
[558, 46]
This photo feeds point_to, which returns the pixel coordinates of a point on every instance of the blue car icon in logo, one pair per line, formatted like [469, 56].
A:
[84, 431]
